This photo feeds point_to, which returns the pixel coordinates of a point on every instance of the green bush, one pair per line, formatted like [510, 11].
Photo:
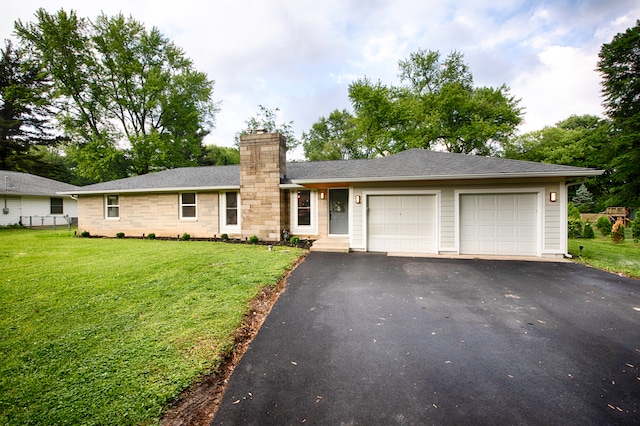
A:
[294, 241]
[253, 239]
[85, 234]
[573, 212]
[588, 231]
[185, 237]
[635, 230]
[604, 225]
[224, 237]
[617, 232]
[574, 228]
[151, 236]
[120, 235]
[12, 226]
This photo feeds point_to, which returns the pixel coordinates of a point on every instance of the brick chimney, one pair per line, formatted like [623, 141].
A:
[263, 163]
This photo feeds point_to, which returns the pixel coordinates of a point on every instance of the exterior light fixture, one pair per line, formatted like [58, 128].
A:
[358, 199]
[553, 197]
[323, 195]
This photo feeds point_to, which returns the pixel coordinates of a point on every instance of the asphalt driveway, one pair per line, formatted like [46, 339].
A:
[361, 339]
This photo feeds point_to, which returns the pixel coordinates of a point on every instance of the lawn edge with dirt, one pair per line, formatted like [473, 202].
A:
[197, 405]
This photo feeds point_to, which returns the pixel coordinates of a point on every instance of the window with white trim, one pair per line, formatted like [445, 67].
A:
[230, 212]
[57, 206]
[113, 206]
[188, 205]
[304, 212]
[304, 208]
[231, 208]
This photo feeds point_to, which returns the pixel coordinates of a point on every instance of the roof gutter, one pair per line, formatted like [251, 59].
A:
[581, 173]
[150, 190]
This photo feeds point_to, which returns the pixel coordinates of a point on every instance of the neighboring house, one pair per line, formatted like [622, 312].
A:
[35, 201]
[417, 201]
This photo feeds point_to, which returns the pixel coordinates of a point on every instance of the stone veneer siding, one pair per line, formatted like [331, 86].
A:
[147, 213]
[264, 205]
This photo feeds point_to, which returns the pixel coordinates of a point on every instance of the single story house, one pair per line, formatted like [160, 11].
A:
[35, 201]
[416, 201]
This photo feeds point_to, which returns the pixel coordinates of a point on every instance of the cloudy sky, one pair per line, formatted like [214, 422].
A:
[301, 56]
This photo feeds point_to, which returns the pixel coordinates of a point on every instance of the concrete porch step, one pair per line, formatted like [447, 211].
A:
[331, 244]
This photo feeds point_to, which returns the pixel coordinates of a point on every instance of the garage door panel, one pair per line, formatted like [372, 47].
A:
[486, 216]
[498, 224]
[403, 223]
[508, 216]
[485, 232]
[525, 233]
[526, 216]
[507, 200]
[504, 232]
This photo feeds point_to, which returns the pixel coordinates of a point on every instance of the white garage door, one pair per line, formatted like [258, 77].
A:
[502, 224]
[402, 223]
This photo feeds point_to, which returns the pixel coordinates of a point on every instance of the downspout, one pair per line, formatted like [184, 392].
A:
[566, 212]
[5, 210]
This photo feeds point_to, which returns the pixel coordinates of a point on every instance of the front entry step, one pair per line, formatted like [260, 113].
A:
[331, 244]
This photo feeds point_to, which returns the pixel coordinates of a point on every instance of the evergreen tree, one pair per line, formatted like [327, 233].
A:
[25, 114]
[583, 199]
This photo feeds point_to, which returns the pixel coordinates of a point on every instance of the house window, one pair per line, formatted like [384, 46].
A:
[188, 205]
[56, 206]
[230, 212]
[113, 206]
[304, 212]
[231, 208]
[304, 208]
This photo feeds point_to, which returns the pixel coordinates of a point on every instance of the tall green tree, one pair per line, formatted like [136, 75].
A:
[130, 99]
[619, 65]
[332, 138]
[214, 155]
[452, 112]
[267, 119]
[379, 118]
[437, 106]
[25, 113]
[581, 141]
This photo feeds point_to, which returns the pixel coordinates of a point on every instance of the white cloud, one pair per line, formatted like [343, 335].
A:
[301, 55]
[564, 83]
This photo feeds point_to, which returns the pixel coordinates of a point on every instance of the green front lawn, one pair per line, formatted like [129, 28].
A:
[109, 331]
[603, 253]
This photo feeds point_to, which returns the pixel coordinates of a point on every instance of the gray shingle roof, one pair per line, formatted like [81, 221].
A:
[413, 164]
[209, 177]
[422, 164]
[16, 183]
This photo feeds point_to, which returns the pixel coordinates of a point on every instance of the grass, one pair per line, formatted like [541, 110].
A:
[603, 253]
[109, 331]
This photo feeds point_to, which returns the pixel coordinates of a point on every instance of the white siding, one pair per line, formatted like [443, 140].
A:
[36, 206]
[447, 221]
[357, 220]
[553, 223]
[36, 211]
[13, 216]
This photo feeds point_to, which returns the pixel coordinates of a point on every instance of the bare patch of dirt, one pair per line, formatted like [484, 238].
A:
[197, 405]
